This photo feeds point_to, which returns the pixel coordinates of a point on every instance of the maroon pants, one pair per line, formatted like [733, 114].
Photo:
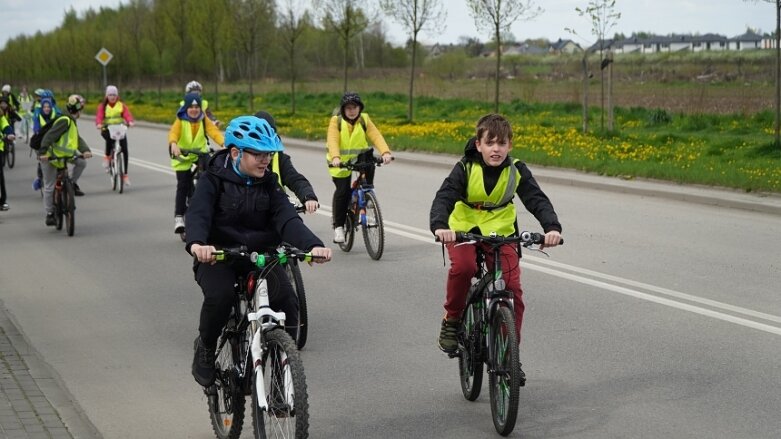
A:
[463, 267]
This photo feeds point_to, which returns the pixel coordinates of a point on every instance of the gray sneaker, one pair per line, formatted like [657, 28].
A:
[448, 335]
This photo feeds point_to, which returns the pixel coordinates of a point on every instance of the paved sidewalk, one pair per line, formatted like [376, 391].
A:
[32, 402]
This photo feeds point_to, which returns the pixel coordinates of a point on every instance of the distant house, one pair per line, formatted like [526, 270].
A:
[564, 46]
[748, 41]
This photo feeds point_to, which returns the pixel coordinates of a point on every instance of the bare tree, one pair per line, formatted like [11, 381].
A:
[777, 75]
[292, 22]
[497, 16]
[210, 18]
[252, 19]
[347, 19]
[603, 18]
[415, 16]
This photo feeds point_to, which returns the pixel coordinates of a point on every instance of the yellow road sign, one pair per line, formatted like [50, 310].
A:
[103, 56]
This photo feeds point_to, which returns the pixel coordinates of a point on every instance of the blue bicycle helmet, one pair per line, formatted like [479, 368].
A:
[250, 132]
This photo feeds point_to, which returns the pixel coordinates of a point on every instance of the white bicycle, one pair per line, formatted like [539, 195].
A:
[116, 164]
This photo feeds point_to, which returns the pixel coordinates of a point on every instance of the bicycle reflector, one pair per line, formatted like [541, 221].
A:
[251, 285]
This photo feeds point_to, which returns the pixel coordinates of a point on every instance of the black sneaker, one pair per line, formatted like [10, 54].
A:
[448, 335]
[203, 363]
[77, 190]
[50, 220]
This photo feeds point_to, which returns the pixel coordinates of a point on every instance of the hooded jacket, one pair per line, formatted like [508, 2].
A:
[228, 211]
[454, 189]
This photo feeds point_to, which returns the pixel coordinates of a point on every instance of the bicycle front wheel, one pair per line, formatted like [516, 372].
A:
[470, 363]
[69, 207]
[504, 380]
[226, 396]
[287, 415]
[112, 173]
[294, 274]
[59, 207]
[11, 154]
[373, 230]
[120, 164]
[349, 232]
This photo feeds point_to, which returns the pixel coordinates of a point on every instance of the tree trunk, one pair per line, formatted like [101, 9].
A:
[778, 74]
[412, 75]
[292, 79]
[498, 66]
[610, 96]
[585, 92]
[346, 54]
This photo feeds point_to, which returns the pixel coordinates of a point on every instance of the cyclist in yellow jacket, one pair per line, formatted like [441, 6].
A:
[188, 144]
[349, 133]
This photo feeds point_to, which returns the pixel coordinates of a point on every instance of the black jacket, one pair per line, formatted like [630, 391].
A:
[454, 189]
[293, 180]
[228, 211]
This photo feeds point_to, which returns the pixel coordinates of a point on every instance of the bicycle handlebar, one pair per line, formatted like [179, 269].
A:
[262, 260]
[525, 238]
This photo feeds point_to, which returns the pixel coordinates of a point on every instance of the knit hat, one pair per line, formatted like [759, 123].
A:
[265, 115]
[112, 90]
[192, 98]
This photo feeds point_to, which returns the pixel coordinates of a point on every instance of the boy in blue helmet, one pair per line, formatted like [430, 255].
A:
[239, 202]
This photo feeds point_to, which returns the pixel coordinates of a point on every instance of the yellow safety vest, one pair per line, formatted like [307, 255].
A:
[275, 168]
[66, 146]
[113, 115]
[350, 145]
[189, 144]
[494, 212]
[3, 124]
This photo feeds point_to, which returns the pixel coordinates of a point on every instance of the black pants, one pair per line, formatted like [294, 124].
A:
[3, 195]
[110, 145]
[217, 281]
[184, 187]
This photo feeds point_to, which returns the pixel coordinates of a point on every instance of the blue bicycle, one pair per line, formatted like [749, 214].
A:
[364, 210]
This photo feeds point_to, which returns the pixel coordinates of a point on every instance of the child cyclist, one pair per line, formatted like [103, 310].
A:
[486, 175]
[349, 133]
[113, 111]
[188, 143]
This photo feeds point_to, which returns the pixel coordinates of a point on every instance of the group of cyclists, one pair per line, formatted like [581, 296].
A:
[239, 198]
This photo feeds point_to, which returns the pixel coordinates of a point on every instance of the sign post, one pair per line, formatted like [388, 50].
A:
[104, 57]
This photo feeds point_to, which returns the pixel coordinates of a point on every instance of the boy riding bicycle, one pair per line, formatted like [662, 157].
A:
[477, 197]
[239, 202]
[349, 133]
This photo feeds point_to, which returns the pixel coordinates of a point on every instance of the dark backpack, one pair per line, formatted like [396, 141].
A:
[35, 140]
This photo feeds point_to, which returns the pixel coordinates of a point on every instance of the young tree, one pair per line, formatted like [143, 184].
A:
[497, 16]
[346, 19]
[292, 22]
[209, 19]
[415, 16]
[603, 18]
[777, 74]
[252, 19]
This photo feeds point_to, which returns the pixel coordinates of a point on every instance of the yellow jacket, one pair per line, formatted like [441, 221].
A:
[373, 135]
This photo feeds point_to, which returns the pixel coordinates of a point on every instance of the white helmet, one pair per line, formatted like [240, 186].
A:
[193, 86]
[6, 88]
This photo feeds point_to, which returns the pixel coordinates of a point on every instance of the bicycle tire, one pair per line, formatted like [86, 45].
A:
[294, 274]
[288, 414]
[373, 230]
[70, 207]
[226, 400]
[504, 378]
[112, 172]
[470, 362]
[59, 208]
[120, 164]
[349, 232]
[10, 158]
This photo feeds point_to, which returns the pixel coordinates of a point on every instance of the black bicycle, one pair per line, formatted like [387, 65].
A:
[488, 336]
[64, 199]
[256, 356]
[364, 209]
[10, 152]
[297, 281]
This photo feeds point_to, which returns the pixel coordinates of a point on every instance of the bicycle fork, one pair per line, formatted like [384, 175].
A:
[265, 318]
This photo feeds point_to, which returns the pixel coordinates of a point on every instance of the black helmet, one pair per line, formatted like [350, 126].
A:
[265, 115]
[75, 104]
[351, 98]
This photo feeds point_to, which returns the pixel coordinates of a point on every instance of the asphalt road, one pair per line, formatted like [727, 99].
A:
[658, 318]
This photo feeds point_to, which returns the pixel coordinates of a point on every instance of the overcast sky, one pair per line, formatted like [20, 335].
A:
[725, 17]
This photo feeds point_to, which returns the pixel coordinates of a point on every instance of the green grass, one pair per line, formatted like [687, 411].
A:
[727, 150]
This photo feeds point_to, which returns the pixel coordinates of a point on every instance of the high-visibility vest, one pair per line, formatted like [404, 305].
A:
[113, 115]
[494, 212]
[350, 145]
[189, 144]
[67, 145]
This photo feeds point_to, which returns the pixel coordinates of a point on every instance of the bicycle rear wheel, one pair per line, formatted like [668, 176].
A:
[349, 232]
[504, 381]
[120, 166]
[470, 362]
[226, 396]
[373, 230]
[294, 274]
[286, 394]
[69, 207]
[59, 207]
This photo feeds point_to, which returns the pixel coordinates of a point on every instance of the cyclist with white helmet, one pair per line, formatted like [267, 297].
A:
[195, 87]
[62, 142]
[5, 92]
[238, 202]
